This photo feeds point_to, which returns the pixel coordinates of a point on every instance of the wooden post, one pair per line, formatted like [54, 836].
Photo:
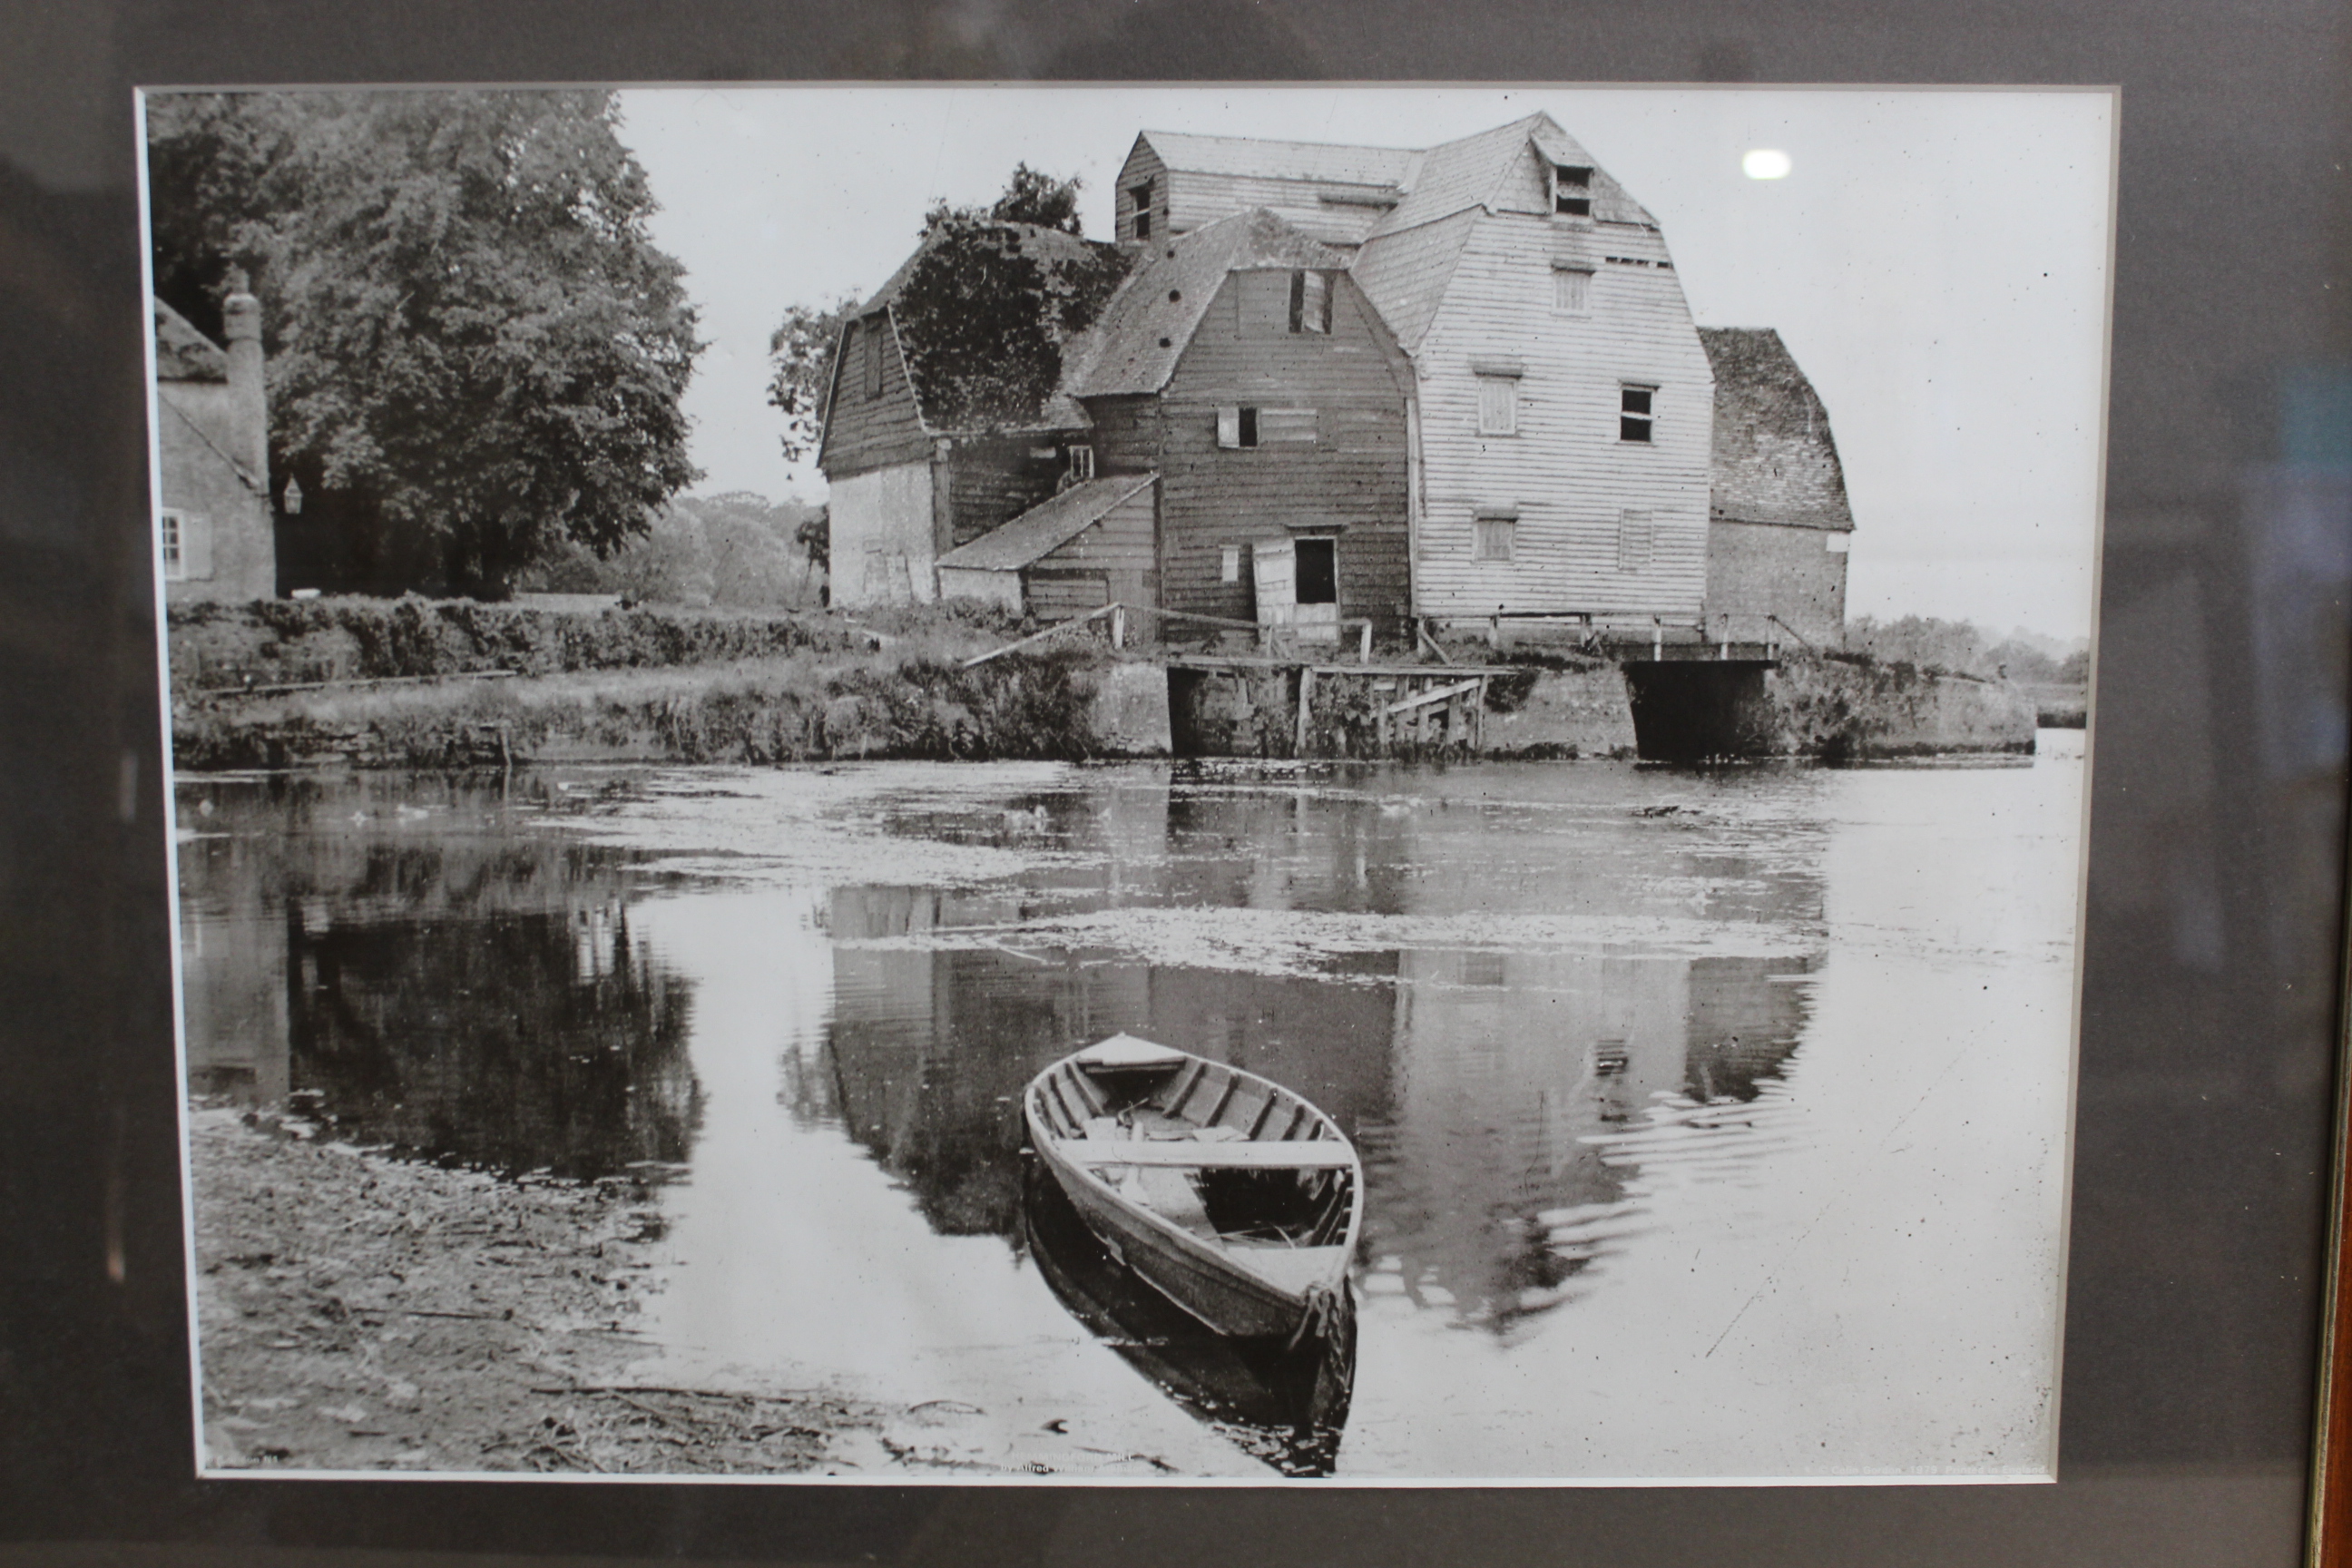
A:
[1658, 639]
[1306, 700]
[1364, 647]
[1494, 633]
[1118, 626]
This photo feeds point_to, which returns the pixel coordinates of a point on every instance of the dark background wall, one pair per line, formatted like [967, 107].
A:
[2216, 878]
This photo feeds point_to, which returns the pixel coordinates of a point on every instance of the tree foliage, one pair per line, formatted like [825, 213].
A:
[983, 314]
[736, 551]
[1967, 648]
[985, 311]
[473, 346]
[800, 382]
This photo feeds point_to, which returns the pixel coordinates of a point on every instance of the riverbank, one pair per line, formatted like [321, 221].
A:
[432, 684]
[359, 1312]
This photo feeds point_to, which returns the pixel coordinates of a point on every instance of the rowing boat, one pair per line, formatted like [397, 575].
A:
[1227, 1192]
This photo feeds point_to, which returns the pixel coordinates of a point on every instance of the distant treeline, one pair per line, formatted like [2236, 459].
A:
[1969, 649]
[736, 551]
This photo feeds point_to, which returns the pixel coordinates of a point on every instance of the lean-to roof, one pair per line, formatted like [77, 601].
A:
[1045, 526]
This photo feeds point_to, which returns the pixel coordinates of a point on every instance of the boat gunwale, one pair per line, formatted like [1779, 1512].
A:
[1047, 1144]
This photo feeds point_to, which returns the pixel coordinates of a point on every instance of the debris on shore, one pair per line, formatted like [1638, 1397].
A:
[363, 1312]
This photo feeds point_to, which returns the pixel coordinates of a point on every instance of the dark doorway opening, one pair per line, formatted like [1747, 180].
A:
[1319, 571]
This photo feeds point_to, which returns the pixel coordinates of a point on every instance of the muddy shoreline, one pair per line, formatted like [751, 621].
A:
[363, 1312]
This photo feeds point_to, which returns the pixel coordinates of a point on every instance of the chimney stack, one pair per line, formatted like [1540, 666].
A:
[241, 328]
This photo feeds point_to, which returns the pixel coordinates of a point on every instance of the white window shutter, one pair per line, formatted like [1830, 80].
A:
[1229, 426]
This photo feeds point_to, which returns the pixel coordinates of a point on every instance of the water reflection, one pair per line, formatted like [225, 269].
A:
[432, 975]
[1286, 1407]
[1572, 1019]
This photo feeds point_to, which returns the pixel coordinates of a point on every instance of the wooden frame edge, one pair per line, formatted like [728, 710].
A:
[2329, 1544]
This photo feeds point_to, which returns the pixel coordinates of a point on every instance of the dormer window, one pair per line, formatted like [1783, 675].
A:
[1572, 189]
[1310, 302]
[1141, 196]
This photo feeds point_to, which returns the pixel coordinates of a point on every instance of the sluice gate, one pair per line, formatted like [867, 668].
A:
[1241, 706]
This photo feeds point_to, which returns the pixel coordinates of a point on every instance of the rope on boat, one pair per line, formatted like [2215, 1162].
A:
[1327, 1306]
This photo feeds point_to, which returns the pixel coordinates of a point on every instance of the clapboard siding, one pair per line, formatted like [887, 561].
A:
[1351, 477]
[863, 432]
[994, 479]
[1142, 163]
[1194, 199]
[1120, 541]
[1565, 472]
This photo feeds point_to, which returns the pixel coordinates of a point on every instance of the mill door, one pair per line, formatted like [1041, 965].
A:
[1317, 590]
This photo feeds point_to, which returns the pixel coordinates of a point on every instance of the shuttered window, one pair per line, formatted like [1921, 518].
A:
[1634, 538]
[1141, 196]
[1264, 300]
[1237, 426]
[1310, 302]
[1572, 290]
[1499, 405]
[1295, 426]
[1492, 539]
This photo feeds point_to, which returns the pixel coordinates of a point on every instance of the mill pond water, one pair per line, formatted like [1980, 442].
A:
[1714, 1122]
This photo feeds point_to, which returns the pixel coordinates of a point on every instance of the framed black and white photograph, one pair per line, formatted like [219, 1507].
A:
[1229, 803]
[1183, 784]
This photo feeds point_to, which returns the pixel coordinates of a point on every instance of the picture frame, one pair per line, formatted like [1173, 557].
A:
[2193, 1366]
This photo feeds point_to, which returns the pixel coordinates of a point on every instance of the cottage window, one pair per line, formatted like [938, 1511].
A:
[1310, 302]
[1572, 189]
[184, 545]
[1229, 564]
[1633, 415]
[1499, 405]
[1492, 538]
[1636, 535]
[1082, 462]
[1572, 290]
[1141, 196]
[1237, 426]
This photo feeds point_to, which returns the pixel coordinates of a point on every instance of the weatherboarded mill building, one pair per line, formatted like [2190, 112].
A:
[1248, 410]
[1564, 418]
[928, 446]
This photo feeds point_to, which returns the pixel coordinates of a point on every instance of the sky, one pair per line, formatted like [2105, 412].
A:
[1937, 260]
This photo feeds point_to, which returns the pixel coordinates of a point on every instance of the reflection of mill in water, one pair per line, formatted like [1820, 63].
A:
[1494, 1182]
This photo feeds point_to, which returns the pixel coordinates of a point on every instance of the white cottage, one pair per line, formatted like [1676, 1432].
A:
[1563, 402]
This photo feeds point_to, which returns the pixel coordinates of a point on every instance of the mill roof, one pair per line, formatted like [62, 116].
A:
[1324, 162]
[183, 354]
[1047, 526]
[1043, 408]
[1134, 345]
[1775, 460]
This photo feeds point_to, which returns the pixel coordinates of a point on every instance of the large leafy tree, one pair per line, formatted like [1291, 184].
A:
[475, 348]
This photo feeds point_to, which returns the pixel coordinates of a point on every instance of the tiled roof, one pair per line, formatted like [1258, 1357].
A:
[183, 354]
[1045, 526]
[1135, 344]
[1775, 460]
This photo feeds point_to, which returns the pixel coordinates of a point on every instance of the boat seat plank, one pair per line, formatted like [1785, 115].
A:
[1298, 1155]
